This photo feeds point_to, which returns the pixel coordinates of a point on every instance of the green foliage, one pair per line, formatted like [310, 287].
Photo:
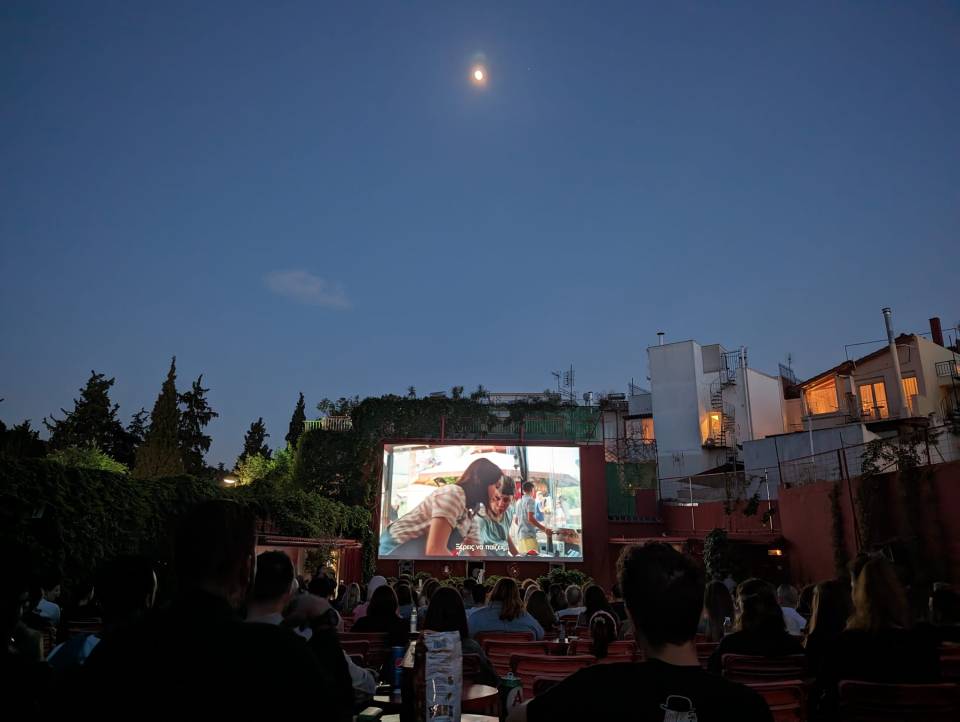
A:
[196, 414]
[160, 454]
[137, 428]
[254, 441]
[93, 422]
[716, 555]
[21, 442]
[563, 577]
[87, 457]
[326, 463]
[277, 469]
[73, 518]
[296, 423]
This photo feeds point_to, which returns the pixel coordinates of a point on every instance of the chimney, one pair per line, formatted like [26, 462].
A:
[936, 333]
[659, 338]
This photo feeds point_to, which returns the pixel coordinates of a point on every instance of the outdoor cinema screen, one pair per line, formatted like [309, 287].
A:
[481, 501]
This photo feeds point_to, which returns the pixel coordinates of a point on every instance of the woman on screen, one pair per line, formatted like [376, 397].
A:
[446, 517]
[492, 524]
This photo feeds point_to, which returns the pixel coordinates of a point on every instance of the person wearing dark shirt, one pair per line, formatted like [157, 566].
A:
[761, 630]
[831, 610]
[718, 611]
[196, 657]
[617, 605]
[382, 616]
[878, 644]
[663, 590]
[944, 624]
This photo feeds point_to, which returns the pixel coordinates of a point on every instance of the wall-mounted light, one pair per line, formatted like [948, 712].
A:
[775, 552]
[229, 481]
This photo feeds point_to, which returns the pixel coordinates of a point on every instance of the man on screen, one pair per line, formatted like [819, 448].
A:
[528, 525]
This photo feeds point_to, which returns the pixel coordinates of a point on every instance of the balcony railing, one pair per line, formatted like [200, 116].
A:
[948, 369]
[329, 423]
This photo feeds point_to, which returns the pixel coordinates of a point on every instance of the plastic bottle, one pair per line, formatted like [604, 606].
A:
[413, 620]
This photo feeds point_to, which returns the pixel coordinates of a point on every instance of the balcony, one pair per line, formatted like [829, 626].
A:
[948, 372]
[329, 423]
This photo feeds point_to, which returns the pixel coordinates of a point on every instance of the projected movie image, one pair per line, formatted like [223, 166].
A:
[521, 502]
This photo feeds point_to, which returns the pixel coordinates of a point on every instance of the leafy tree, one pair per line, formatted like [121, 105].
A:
[254, 442]
[93, 421]
[456, 393]
[296, 423]
[480, 393]
[343, 406]
[194, 417]
[276, 469]
[160, 454]
[411, 392]
[137, 428]
[326, 463]
[87, 457]
[21, 441]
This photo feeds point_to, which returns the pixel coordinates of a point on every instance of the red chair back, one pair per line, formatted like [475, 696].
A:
[950, 662]
[379, 650]
[481, 637]
[863, 701]
[787, 700]
[530, 667]
[748, 669]
[356, 647]
[705, 650]
[499, 652]
[621, 651]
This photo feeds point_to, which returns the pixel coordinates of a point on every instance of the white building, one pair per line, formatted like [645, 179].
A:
[705, 402]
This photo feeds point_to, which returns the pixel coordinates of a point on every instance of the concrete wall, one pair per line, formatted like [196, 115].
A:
[767, 455]
[680, 399]
[766, 412]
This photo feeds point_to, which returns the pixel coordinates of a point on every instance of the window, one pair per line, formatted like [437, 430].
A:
[822, 398]
[873, 400]
[910, 390]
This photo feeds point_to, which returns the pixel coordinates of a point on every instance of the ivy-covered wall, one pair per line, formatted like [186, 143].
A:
[72, 519]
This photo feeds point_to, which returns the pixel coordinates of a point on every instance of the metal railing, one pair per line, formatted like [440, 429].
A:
[948, 369]
[934, 445]
[329, 423]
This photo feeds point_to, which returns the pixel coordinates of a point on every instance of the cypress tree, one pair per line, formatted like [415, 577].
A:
[160, 454]
[296, 423]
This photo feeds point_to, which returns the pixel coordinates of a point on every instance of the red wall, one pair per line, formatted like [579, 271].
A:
[807, 519]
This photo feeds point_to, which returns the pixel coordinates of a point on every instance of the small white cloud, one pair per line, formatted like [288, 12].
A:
[304, 287]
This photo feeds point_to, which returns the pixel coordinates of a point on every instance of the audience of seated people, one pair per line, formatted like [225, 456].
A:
[193, 643]
[558, 600]
[879, 643]
[127, 588]
[663, 590]
[200, 647]
[504, 612]
[760, 628]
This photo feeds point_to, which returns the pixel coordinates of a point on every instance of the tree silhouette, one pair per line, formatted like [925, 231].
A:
[296, 423]
[160, 453]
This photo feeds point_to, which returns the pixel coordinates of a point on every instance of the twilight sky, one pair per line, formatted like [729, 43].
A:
[313, 196]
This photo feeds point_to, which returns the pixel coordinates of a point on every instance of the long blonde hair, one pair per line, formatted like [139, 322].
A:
[879, 601]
